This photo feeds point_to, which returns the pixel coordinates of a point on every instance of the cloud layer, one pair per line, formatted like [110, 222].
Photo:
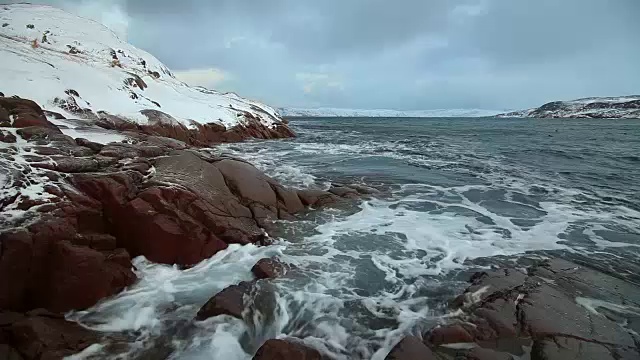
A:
[408, 54]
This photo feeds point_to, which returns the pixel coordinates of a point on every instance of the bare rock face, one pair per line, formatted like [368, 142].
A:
[197, 134]
[286, 350]
[507, 311]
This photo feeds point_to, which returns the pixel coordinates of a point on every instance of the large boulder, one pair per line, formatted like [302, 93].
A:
[269, 268]
[192, 207]
[229, 301]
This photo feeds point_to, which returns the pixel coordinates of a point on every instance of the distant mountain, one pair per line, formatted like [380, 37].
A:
[333, 112]
[622, 107]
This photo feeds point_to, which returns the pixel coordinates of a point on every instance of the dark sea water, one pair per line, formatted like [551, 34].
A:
[457, 195]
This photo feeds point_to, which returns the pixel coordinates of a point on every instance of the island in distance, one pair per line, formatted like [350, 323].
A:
[621, 107]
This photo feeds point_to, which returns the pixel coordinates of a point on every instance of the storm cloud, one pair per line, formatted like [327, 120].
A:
[409, 54]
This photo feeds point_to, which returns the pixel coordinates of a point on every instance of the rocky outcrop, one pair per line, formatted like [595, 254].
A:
[197, 134]
[554, 310]
[73, 212]
[19, 113]
[95, 209]
[103, 207]
[627, 107]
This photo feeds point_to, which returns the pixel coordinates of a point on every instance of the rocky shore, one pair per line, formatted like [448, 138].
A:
[551, 310]
[73, 212]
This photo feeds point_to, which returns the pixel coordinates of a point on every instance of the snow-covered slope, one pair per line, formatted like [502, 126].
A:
[71, 65]
[332, 112]
[627, 107]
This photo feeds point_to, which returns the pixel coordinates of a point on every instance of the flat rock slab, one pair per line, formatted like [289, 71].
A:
[545, 310]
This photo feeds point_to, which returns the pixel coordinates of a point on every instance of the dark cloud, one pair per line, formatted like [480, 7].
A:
[410, 54]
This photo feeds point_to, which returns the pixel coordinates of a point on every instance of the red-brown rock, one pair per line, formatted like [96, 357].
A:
[269, 268]
[236, 300]
[286, 350]
[100, 278]
[42, 336]
[227, 302]
[411, 348]
[24, 113]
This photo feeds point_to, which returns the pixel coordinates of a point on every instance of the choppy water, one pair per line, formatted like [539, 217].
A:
[458, 194]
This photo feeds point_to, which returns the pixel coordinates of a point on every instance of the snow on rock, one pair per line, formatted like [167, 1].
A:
[334, 112]
[79, 68]
[620, 107]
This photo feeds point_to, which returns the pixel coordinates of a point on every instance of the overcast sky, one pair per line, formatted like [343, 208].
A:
[403, 54]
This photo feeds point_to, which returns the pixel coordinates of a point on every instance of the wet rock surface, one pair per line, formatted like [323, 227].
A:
[240, 301]
[286, 350]
[269, 268]
[552, 310]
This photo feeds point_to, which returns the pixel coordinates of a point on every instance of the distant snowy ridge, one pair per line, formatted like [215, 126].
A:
[333, 112]
[75, 66]
[620, 107]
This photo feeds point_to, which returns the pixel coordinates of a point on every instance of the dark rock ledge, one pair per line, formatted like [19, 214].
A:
[543, 314]
[74, 212]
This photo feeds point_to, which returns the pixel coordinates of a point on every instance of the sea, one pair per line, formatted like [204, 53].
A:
[456, 195]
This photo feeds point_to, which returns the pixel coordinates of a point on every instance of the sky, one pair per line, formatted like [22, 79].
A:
[382, 54]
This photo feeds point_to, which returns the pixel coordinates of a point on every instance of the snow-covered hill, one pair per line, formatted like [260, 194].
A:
[627, 107]
[79, 68]
[332, 112]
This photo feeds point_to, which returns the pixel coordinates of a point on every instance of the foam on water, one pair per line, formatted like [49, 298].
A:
[166, 296]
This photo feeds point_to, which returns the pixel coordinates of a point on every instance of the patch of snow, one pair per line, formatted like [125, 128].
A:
[32, 190]
[91, 133]
[46, 51]
[335, 112]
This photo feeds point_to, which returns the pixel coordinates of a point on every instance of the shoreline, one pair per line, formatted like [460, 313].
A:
[103, 199]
